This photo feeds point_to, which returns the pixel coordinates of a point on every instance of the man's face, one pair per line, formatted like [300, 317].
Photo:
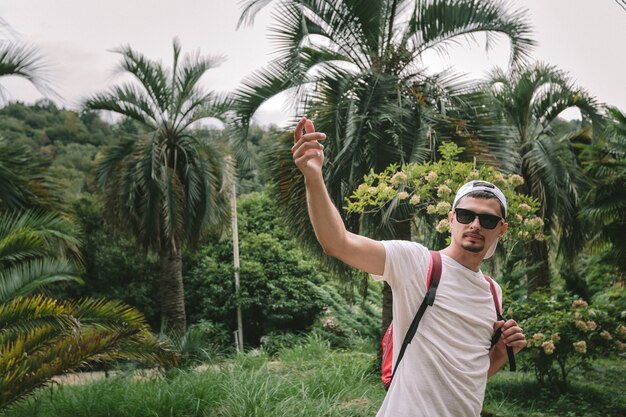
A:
[474, 237]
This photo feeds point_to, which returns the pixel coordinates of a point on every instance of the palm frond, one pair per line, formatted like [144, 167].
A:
[31, 234]
[43, 340]
[438, 22]
[26, 277]
[250, 8]
[25, 61]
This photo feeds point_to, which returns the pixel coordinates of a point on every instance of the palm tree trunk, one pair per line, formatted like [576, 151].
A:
[402, 231]
[539, 277]
[172, 291]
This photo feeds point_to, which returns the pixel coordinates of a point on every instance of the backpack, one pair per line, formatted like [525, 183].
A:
[432, 282]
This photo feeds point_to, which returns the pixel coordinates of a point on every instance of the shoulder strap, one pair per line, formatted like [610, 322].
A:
[432, 282]
[498, 333]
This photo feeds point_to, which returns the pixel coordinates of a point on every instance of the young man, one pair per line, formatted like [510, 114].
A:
[445, 369]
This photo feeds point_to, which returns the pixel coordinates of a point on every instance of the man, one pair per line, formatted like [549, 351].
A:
[445, 368]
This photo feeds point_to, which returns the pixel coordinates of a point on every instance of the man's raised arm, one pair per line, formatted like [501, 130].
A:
[358, 251]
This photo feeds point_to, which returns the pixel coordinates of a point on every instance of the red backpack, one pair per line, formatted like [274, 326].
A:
[432, 282]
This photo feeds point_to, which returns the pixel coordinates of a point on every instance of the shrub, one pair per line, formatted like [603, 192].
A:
[279, 281]
[564, 332]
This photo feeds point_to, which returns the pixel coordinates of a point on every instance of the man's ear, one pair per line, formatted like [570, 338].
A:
[503, 229]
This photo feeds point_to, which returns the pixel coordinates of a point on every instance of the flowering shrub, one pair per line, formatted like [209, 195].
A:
[429, 189]
[564, 332]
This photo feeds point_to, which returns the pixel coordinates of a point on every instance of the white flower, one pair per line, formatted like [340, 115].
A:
[580, 347]
[443, 207]
[443, 226]
[548, 347]
[606, 335]
[432, 176]
[443, 191]
[516, 180]
[399, 178]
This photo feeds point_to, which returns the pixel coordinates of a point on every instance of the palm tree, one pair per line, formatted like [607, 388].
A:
[530, 100]
[166, 186]
[605, 205]
[357, 68]
[23, 180]
[41, 337]
[22, 60]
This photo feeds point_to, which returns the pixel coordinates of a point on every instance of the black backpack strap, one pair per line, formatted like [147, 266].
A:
[498, 333]
[432, 282]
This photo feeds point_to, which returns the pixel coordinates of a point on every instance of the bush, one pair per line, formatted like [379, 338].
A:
[345, 324]
[203, 342]
[279, 281]
[564, 332]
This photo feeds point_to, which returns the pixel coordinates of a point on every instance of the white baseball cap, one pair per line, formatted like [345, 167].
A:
[478, 185]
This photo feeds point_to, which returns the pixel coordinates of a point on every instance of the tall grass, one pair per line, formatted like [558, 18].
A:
[308, 380]
[311, 380]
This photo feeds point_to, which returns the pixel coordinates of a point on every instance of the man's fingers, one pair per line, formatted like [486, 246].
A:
[308, 126]
[298, 151]
[309, 137]
[304, 159]
[498, 324]
[297, 134]
[510, 323]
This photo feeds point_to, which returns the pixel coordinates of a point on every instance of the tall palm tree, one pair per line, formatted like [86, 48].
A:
[605, 205]
[167, 185]
[530, 100]
[357, 68]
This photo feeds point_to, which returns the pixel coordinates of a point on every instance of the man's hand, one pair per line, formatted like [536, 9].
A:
[512, 335]
[308, 153]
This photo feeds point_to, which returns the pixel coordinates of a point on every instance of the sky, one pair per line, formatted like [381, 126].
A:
[585, 38]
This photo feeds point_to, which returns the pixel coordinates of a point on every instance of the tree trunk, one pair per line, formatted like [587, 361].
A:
[540, 276]
[402, 231]
[172, 291]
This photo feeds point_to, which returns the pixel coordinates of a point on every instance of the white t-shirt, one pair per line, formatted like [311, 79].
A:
[444, 369]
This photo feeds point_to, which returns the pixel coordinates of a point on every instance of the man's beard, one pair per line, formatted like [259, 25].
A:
[473, 247]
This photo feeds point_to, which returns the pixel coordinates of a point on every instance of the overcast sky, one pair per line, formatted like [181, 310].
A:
[586, 38]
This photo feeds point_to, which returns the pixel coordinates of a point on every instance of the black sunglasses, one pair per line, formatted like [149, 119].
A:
[488, 221]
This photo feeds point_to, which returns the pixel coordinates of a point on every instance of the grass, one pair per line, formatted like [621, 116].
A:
[597, 392]
[310, 380]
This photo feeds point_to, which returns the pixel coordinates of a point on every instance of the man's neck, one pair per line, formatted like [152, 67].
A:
[468, 259]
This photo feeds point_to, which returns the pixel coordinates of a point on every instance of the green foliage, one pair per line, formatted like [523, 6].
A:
[428, 190]
[44, 124]
[36, 249]
[605, 204]
[41, 337]
[204, 342]
[596, 392]
[563, 333]
[23, 180]
[279, 282]
[310, 380]
[345, 324]
[113, 267]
